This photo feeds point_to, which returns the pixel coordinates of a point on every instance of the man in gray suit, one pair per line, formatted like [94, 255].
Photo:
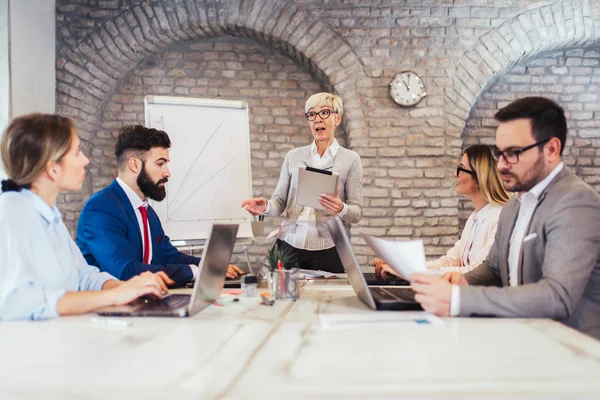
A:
[545, 262]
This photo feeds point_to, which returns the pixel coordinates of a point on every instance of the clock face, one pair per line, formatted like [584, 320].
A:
[407, 89]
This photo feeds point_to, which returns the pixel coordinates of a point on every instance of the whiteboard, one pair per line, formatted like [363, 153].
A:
[209, 163]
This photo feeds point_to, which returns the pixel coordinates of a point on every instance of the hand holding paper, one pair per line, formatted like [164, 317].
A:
[406, 257]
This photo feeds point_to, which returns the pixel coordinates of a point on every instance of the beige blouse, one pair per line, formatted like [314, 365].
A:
[474, 244]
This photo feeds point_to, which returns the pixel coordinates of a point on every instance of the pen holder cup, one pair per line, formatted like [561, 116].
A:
[258, 227]
[284, 284]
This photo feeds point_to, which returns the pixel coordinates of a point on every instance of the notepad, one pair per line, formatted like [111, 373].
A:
[312, 183]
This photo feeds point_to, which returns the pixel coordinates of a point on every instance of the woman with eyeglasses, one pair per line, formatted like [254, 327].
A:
[303, 230]
[477, 177]
[42, 272]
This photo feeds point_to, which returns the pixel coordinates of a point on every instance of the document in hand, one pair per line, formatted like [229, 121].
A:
[406, 257]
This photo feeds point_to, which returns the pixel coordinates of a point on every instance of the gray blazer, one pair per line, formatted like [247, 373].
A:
[346, 162]
[559, 264]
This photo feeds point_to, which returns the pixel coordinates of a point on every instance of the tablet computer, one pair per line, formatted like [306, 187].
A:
[312, 183]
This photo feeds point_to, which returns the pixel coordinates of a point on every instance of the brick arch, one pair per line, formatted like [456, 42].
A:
[555, 26]
[89, 70]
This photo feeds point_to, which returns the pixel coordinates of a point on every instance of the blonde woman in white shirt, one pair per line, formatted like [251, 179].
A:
[478, 178]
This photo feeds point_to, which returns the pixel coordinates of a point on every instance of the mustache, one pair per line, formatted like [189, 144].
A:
[505, 172]
[164, 180]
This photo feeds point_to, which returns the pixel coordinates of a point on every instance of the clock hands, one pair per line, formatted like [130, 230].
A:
[407, 82]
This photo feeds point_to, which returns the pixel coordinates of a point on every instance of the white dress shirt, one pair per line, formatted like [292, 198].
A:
[306, 235]
[136, 203]
[529, 202]
[39, 261]
[527, 208]
[474, 244]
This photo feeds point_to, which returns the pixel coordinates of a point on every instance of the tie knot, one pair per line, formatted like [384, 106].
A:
[143, 210]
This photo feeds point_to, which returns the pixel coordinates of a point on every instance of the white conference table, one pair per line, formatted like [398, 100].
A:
[243, 350]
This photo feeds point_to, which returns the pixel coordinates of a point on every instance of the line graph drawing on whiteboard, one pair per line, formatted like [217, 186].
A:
[210, 168]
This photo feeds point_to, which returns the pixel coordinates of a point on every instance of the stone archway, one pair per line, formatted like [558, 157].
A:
[87, 71]
[554, 26]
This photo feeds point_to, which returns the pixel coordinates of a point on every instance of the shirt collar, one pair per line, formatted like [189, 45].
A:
[537, 190]
[50, 214]
[333, 148]
[134, 199]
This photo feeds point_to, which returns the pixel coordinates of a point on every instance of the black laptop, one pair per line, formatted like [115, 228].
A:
[378, 298]
[207, 287]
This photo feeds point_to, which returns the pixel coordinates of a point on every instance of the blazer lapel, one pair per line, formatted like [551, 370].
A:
[504, 241]
[128, 208]
[564, 172]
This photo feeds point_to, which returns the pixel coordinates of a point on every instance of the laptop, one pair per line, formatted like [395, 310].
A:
[377, 298]
[207, 287]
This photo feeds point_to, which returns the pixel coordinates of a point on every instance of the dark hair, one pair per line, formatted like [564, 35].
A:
[546, 116]
[137, 139]
[29, 143]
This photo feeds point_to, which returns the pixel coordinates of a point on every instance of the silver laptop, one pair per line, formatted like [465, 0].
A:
[207, 287]
[377, 298]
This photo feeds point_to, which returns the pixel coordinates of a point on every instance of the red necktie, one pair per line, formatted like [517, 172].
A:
[144, 212]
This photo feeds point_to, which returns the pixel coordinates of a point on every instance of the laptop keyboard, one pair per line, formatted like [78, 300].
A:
[372, 279]
[394, 293]
[171, 302]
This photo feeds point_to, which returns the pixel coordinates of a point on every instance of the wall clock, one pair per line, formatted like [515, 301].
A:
[407, 89]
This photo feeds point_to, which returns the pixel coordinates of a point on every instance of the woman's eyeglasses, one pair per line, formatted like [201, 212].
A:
[324, 114]
[460, 169]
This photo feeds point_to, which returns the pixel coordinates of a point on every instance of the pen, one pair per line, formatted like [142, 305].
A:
[121, 323]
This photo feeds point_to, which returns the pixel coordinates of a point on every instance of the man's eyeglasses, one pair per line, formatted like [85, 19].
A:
[324, 114]
[460, 169]
[511, 155]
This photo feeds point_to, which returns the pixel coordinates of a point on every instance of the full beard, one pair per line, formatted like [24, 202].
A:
[151, 189]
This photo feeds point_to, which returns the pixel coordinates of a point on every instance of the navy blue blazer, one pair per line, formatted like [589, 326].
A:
[109, 237]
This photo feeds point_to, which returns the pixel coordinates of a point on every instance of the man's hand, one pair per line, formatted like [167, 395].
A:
[234, 272]
[384, 271]
[433, 293]
[455, 278]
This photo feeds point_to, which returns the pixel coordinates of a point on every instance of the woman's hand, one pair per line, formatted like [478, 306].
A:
[145, 283]
[333, 204]
[384, 271]
[255, 206]
[234, 272]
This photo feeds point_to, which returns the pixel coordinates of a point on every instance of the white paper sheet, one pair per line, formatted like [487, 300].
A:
[314, 274]
[383, 318]
[405, 257]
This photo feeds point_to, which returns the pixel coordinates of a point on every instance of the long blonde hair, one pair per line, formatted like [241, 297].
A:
[488, 177]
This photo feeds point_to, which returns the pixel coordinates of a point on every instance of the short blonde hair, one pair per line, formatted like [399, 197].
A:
[325, 99]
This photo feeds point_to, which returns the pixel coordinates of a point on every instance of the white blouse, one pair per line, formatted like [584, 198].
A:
[474, 244]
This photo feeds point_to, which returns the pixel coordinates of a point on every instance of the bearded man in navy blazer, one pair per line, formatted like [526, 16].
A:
[118, 230]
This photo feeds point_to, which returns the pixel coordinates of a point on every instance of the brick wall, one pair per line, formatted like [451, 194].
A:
[274, 87]
[460, 48]
[572, 78]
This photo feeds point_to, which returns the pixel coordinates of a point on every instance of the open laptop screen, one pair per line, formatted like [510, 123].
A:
[349, 260]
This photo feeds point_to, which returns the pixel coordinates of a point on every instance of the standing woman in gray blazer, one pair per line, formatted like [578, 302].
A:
[303, 229]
